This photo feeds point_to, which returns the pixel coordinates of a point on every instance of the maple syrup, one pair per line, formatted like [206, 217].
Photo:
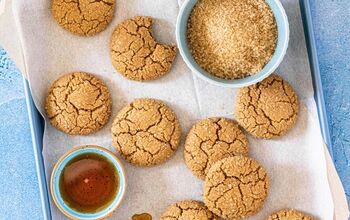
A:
[89, 183]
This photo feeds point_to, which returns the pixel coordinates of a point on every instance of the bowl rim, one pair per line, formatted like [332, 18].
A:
[116, 162]
[249, 80]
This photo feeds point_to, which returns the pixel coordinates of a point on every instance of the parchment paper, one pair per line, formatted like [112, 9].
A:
[296, 162]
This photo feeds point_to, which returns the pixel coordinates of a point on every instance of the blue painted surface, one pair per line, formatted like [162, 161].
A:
[19, 189]
[332, 30]
[19, 186]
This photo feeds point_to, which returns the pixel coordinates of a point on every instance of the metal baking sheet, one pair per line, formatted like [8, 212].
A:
[37, 122]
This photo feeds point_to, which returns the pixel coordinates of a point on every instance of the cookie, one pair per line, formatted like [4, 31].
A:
[236, 187]
[78, 103]
[267, 109]
[146, 132]
[136, 54]
[210, 140]
[83, 17]
[188, 210]
[289, 214]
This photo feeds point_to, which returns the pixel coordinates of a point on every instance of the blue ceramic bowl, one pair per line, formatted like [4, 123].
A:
[270, 67]
[56, 173]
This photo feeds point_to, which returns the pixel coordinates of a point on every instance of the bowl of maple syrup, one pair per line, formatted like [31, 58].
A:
[88, 182]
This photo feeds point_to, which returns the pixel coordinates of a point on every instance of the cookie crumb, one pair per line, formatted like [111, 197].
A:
[143, 216]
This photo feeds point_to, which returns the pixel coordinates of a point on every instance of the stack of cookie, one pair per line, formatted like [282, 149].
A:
[146, 132]
[216, 151]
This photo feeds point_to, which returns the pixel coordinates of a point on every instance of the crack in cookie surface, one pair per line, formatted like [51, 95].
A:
[267, 109]
[78, 103]
[236, 187]
[136, 54]
[188, 210]
[289, 214]
[146, 132]
[83, 17]
[210, 140]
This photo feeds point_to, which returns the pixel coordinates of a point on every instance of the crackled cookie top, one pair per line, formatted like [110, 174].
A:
[188, 210]
[236, 187]
[83, 17]
[267, 109]
[289, 214]
[210, 140]
[146, 132]
[78, 103]
[136, 54]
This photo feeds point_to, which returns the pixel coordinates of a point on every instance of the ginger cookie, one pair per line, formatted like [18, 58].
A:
[146, 132]
[267, 109]
[236, 187]
[136, 54]
[210, 140]
[83, 17]
[188, 210]
[289, 214]
[78, 104]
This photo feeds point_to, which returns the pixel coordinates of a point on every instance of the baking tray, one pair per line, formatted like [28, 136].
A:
[37, 122]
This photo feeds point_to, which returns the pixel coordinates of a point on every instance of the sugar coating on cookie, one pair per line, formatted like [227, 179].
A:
[83, 17]
[136, 54]
[236, 187]
[146, 132]
[289, 214]
[210, 140]
[78, 103]
[267, 109]
[188, 210]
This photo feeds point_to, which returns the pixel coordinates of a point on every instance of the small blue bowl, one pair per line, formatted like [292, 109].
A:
[55, 177]
[270, 67]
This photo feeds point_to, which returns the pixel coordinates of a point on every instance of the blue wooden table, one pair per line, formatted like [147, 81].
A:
[19, 189]
[332, 29]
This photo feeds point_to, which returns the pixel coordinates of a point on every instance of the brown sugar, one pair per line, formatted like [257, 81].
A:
[232, 39]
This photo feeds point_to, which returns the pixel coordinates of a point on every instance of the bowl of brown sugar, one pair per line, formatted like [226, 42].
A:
[232, 43]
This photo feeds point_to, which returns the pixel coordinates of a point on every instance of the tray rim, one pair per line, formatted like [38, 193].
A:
[309, 33]
[37, 123]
